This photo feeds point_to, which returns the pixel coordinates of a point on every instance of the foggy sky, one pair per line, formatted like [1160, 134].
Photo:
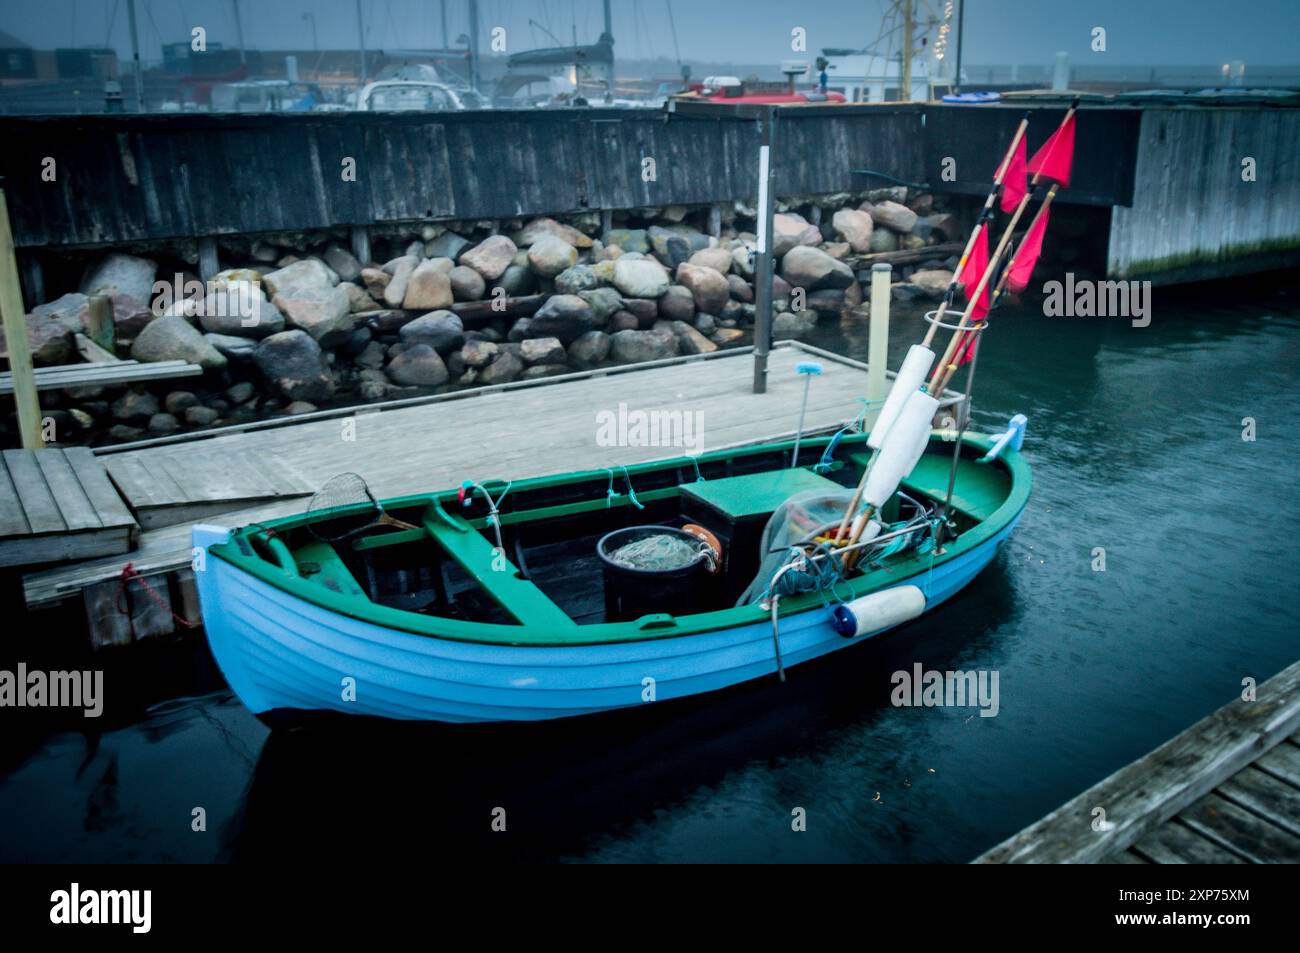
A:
[1153, 32]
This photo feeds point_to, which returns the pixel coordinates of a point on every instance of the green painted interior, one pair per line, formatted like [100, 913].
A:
[754, 494]
[319, 564]
[991, 494]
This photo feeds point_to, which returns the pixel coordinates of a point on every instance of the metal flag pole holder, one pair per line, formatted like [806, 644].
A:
[963, 414]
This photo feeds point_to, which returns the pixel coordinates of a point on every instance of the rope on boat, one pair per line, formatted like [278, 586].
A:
[494, 516]
[611, 496]
[122, 602]
[802, 574]
[828, 454]
[776, 639]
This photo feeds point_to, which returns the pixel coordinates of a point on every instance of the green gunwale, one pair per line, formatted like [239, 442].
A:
[660, 626]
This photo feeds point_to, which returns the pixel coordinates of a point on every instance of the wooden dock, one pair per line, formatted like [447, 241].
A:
[59, 505]
[257, 471]
[1225, 791]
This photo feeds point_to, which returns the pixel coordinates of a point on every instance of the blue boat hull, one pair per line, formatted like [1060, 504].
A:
[281, 653]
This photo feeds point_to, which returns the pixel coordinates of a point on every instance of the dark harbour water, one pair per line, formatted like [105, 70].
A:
[1135, 439]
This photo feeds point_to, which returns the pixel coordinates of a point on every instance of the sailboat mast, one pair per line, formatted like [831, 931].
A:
[473, 44]
[609, 69]
[907, 51]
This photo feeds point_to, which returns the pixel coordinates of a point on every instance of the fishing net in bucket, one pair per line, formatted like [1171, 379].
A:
[659, 552]
[356, 506]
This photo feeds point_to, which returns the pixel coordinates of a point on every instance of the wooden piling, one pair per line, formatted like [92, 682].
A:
[361, 244]
[15, 327]
[715, 221]
[209, 260]
[121, 612]
[878, 341]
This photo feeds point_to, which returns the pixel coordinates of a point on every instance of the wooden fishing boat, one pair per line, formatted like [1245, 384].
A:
[420, 615]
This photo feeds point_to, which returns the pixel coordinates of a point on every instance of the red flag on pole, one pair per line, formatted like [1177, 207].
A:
[970, 275]
[979, 309]
[1055, 157]
[973, 270]
[968, 349]
[1013, 183]
[1027, 255]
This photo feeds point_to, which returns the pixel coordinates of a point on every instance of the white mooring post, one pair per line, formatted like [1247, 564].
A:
[763, 262]
[878, 342]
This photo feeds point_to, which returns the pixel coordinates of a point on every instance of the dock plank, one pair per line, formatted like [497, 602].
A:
[34, 495]
[1128, 857]
[103, 373]
[1283, 763]
[75, 508]
[1244, 832]
[98, 488]
[1175, 843]
[13, 521]
[1266, 796]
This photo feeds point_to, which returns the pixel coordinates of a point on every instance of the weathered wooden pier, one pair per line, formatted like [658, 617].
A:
[1225, 791]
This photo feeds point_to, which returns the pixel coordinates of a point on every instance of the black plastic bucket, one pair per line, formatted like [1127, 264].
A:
[631, 593]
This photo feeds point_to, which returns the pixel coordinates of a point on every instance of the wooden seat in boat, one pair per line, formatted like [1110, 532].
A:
[478, 557]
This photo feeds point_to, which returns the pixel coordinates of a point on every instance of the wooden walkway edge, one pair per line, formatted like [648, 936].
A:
[1225, 790]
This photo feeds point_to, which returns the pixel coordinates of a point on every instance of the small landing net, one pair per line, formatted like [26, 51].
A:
[356, 508]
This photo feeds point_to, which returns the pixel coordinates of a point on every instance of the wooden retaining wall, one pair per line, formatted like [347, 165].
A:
[126, 179]
[1193, 215]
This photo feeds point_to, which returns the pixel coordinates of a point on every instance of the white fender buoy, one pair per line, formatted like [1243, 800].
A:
[910, 377]
[878, 611]
[904, 444]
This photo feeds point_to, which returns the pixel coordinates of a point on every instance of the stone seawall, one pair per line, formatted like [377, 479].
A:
[298, 323]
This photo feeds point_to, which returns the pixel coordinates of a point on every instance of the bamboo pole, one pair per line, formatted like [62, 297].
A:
[985, 214]
[15, 325]
[946, 367]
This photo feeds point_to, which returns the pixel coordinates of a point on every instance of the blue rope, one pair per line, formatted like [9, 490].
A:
[497, 503]
[611, 496]
[819, 576]
[631, 493]
[828, 455]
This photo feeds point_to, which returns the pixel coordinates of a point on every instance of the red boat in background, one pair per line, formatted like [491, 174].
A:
[732, 91]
